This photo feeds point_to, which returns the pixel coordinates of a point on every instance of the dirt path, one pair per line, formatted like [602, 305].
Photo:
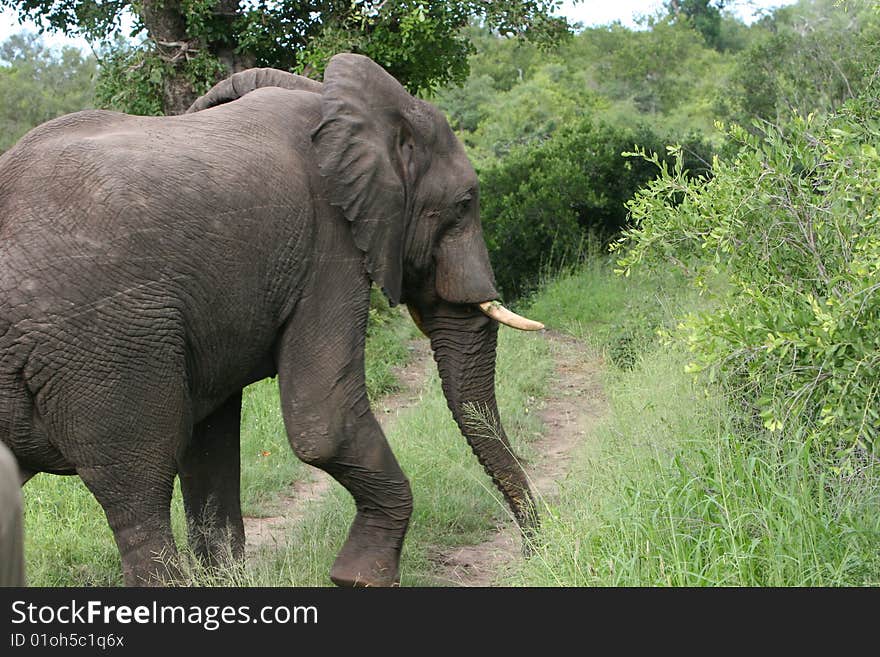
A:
[293, 503]
[576, 403]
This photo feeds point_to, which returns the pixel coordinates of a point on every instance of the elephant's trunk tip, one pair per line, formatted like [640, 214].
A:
[499, 313]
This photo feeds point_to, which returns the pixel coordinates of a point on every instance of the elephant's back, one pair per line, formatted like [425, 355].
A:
[51, 133]
[32, 163]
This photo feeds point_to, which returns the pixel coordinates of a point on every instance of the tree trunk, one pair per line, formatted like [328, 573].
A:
[166, 27]
[234, 62]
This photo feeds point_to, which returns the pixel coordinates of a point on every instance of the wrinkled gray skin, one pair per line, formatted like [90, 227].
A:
[11, 550]
[151, 267]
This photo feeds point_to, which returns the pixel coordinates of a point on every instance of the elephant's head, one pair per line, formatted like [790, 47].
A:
[403, 180]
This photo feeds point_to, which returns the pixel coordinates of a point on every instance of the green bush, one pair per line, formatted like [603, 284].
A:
[791, 224]
[541, 202]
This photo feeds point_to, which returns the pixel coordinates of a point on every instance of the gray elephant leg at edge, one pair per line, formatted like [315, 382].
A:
[11, 541]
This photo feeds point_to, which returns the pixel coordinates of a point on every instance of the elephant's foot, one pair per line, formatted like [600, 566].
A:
[370, 556]
[367, 568]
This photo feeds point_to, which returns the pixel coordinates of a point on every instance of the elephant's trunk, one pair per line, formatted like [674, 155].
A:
[464, 341]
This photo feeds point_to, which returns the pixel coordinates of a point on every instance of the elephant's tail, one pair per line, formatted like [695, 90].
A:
[240, 84]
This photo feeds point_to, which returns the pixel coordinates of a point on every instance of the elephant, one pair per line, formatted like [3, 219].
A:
[152, 267]
[11, 549]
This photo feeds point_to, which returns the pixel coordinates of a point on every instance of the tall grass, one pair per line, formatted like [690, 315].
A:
[615, 315]
[676, 487]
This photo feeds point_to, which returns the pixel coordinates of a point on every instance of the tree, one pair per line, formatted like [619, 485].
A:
[38, 83]
[704, 14]
[809, 57]
[529, 113]
[658, 70]
[190, 44]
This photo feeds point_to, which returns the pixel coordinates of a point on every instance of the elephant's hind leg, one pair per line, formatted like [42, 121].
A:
[141, 525]
[210, 470]
[135, 493]
[134, 485]
[123, 440]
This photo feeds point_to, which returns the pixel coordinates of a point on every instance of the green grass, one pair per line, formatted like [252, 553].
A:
[388, 332]
[676, 487]
[616, 315]
[267, 463]
[67, 539]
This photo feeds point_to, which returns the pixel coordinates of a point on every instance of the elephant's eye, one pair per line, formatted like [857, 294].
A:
[463, 205]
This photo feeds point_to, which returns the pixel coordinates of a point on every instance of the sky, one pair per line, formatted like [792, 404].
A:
[587, 12]
[602, 12]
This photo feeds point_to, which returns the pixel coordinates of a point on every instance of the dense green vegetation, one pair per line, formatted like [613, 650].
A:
[546, 130]
[38, 83]
[678, 486]
[544, 203]
[790, 226]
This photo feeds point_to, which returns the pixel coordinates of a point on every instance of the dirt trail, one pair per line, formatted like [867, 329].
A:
[576, 403]
[292, 504]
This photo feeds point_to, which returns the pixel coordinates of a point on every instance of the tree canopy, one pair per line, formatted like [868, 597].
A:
[190, 44]
[704, 14]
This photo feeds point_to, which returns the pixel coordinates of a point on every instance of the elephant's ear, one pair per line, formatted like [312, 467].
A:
[366, 149]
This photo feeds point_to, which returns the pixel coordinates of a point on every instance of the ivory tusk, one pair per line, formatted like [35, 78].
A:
[501, 314]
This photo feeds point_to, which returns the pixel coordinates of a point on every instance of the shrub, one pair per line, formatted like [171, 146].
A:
[791, 224]
[541, 202]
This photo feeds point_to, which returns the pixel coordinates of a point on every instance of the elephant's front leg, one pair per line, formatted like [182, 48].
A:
[209, 469]
[330, 425]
